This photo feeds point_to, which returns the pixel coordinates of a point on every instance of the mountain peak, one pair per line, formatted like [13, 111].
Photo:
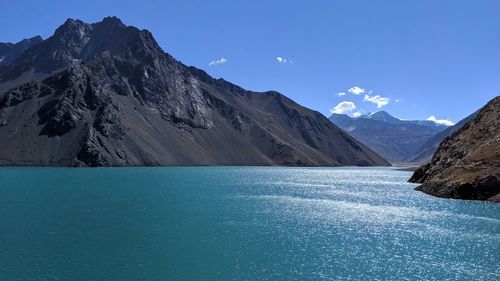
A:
[381, 116]
[33, 40]
[71, 29]
[110, 22]
[381, 113]
[111, 19]
[72, 22]
[76, 41]
[115, 98]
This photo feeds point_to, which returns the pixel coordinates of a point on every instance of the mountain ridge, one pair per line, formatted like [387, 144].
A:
[125, 102]
[466, 164]
[10, 51]
[393, 138]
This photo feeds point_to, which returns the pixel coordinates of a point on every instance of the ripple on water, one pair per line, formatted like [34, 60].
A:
[239, 223]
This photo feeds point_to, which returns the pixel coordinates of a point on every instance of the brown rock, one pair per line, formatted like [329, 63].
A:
[467, 164]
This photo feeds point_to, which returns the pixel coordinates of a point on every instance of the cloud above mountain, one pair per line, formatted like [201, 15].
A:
[364, 95]
[219, 61]
[377, 99]
[345, 107]
[445, 122]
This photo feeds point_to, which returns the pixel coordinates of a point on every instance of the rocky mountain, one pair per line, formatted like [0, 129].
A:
[392, 138]
[10, 51]
[73, 43]
[466, 164]
[424, 153]
[112, 97]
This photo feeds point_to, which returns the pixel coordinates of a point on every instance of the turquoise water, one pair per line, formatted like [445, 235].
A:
[238, 223]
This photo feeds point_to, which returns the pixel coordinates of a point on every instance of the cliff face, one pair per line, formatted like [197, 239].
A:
[467, 164]
[112, 97]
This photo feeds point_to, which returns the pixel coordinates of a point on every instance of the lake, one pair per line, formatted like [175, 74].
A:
[238, 223]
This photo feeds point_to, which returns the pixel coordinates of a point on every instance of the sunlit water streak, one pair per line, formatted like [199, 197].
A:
[239, 223]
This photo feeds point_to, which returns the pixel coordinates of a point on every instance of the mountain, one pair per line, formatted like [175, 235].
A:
[387, 118]
[392, 138]
[466, 165]
[9, 51]
[381, 116]
[73, 42]
[112, 97]
[424, 153]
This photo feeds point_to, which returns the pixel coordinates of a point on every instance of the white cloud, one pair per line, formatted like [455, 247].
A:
[343, 107]
[219, 61]
[341, 94]
[356, 90]
[356, 114]
[378, 100]
[283, 60]
[398, 100]
[445, 122]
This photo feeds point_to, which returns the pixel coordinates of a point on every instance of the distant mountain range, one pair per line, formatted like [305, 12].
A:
[466, 164]
[392, 138]
[105, 94]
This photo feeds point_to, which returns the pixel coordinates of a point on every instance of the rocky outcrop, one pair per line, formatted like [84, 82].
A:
[114, 98]
[467, 164]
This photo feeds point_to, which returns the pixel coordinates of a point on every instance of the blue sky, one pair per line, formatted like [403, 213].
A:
[428, 57]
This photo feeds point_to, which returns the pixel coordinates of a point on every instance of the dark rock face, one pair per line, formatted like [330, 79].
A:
[72, 43]
[390, 137]
[9, 51]
[467, 164]
[119, 100]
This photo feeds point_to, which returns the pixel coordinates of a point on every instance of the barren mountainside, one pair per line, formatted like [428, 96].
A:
[110, 96]
[467, 164]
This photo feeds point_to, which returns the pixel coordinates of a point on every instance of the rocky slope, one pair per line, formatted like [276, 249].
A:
[467, 164]
[424, 153]
[112, 97]
[392, 138]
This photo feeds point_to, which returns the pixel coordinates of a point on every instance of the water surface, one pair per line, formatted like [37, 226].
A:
[238, 223]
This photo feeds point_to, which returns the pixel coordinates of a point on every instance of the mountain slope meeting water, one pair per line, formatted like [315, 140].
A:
[467, 164]
[112, 97]
[239, 223]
